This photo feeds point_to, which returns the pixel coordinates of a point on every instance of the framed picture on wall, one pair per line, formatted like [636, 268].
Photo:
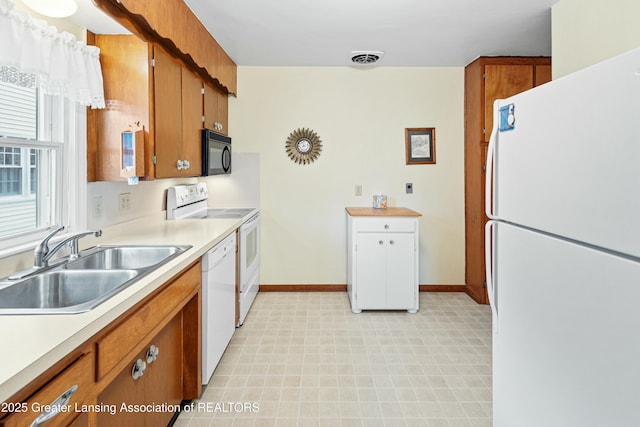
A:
[420, 145]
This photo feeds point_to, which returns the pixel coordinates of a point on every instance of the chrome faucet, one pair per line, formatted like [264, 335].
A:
[42, 249]
[43, 254]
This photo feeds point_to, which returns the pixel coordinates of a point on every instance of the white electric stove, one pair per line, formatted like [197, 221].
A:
[189, 201]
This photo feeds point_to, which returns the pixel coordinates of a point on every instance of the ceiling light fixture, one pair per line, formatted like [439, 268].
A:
[53, 8]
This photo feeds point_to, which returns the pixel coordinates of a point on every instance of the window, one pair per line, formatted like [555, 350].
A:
[33, 129]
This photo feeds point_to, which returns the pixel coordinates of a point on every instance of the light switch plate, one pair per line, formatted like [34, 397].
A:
[409, 188]
[97, 206]
[125, 201]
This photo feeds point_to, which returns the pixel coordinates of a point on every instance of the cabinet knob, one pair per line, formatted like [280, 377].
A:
[53, 408]
[391, 242]
[138, 369]
[180, 165]
[186, 164]
[381, 242]
[386, 226]
[152, 354]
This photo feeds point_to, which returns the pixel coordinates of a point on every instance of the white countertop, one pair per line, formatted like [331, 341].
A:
[33, 343]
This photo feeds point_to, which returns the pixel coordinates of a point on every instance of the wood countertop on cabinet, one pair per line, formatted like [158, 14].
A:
[399, 211]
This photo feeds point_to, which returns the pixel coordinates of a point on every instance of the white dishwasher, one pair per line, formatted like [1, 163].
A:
[218, 303]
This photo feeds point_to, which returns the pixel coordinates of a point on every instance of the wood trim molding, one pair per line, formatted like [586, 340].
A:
[480, 299]
[442, 288]
[343, 288]
[174, 26]
[303, 288]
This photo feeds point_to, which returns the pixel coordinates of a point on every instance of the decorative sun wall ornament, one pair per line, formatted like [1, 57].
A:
[303, 146]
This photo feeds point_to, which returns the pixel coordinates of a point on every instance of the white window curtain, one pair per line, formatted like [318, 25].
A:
[34, 54]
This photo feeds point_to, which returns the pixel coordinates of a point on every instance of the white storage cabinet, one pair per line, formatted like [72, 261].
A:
[382, 251]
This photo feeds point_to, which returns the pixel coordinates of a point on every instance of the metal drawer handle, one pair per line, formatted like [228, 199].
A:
[152, 354]
[138, 369]
[55, 406]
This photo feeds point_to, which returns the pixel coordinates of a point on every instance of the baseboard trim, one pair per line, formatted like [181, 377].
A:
[480, 299]
[442, 288]
[343, 288]
[303, 288]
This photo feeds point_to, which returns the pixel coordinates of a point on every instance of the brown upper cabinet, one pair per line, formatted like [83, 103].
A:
[174, 26]
[148, 88]
[500, 79]
[488, 79]
[177, 108]
[216, 109]
[187, 89]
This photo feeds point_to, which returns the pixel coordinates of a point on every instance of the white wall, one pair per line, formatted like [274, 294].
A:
[360, 115]
[148, 197]
[585, 32]
[240, 189]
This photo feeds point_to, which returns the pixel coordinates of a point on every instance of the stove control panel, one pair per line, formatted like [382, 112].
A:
[179, 196]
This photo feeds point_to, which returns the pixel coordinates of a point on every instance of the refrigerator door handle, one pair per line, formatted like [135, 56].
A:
[488, 259]
[488, 179]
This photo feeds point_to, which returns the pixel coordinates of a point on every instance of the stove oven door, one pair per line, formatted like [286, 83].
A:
[249, 264]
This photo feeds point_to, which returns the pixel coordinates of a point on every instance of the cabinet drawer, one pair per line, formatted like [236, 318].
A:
[80, 375]
[385, 224]
[129, 336]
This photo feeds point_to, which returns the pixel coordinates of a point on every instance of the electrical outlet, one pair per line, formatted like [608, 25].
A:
[409, 188]
[97, 206]
[358, 189]
[125, 201]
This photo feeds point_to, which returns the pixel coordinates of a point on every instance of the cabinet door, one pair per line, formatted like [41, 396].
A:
[210, 116]
[503, 81]
[160, 383]
[164, 382]
[216, 106]
[223, 112]
[191, 122]
[401, 271]
[543, 74]
[81, 421]
[167, 114]
[125, 71]
[371, 271]
[79, 374]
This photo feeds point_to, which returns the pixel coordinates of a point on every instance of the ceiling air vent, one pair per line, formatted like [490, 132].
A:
[366, 57]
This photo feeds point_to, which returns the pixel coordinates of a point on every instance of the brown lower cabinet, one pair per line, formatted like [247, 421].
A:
[160, 384]
[95, 385]
[81, 421]
[74, 382]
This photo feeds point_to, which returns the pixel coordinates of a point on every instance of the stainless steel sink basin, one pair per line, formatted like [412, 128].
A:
[64, 290]
[75, 286]
[124, 257]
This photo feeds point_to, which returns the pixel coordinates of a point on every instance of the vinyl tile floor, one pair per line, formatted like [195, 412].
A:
[304, 359]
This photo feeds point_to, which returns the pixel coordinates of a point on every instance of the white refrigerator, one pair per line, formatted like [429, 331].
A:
[563, 250]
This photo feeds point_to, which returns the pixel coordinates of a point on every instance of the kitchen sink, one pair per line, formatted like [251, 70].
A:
[124, 257]
[64, 290]
[76, 286]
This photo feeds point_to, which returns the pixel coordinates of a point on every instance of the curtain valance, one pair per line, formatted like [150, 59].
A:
[34, 54]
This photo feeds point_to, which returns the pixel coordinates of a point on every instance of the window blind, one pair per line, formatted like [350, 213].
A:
[18, 112]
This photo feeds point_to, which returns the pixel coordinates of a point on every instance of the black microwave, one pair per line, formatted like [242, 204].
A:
[216, 153]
